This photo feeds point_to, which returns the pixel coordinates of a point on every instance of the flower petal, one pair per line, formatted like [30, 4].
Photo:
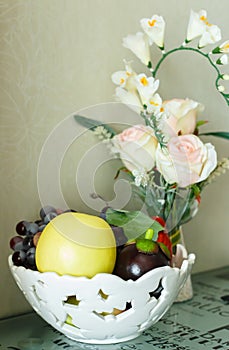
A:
[196, 26]
[146, 86]
[223, 60]
[154, 104]
[139, 44]
[200, 26]
[130, 99]
[210, 36]
[119, 78]
[154, 27]
[224, 48]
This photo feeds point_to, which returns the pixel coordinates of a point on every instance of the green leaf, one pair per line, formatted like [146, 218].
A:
[201, 122]
[175, 237]
[222, 134]
[196, 189]
[134, 223]
[165, 249]
[93, 124]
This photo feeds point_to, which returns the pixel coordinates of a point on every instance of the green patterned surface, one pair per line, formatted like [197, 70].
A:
[199, 324]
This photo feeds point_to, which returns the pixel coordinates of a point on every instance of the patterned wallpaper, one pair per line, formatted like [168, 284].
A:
[56, 57]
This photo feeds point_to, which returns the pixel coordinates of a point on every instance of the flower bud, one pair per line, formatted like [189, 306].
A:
[222, 60]
[225, 76]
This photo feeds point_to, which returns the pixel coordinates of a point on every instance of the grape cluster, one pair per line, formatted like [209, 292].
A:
[28, 233]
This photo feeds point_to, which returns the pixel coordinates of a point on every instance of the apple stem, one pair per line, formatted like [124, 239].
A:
[149, 234]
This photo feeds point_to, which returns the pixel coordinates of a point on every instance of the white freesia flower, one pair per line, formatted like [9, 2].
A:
[131, 99]
[223, 60]
[119, 78]
[224, 47]
[210, 36]
[125, 78]
[196, 26]
[154, 27]
[146, 86]
[200, 27]
[139, 44]
[154, 105]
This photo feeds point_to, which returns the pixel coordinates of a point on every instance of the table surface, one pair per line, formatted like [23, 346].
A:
[201, 323]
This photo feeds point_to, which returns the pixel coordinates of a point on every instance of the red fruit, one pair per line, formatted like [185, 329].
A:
[163, 238]
[165, 243]
[159, 220]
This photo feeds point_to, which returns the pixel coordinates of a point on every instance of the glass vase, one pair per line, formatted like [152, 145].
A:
[186, 292]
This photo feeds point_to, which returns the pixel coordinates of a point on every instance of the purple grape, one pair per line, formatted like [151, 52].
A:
[30, 258]
[14, 241]
[18, 258]
[32, 227]
[103, 212]
[28, 242]
[49, 217]
[41, 227]
[69, 211]
[119, 235]
[19, 246]
[21, 228]
[46, 210]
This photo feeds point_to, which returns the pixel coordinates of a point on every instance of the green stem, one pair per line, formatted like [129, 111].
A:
[206, 55]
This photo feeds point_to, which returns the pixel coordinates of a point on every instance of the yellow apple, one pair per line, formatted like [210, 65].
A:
[76, 244]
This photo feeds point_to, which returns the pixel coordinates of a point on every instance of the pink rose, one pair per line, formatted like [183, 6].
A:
[182, 115]
[136, 147]
[186, 160]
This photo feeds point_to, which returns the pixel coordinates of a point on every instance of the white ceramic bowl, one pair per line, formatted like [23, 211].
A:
[90, 318]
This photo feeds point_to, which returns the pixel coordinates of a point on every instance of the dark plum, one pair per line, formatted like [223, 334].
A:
[132, 262]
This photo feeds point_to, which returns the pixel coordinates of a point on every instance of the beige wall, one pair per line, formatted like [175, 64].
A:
[56, 58]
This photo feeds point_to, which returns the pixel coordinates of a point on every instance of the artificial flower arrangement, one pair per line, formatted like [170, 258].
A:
[163, 156]
[107, 279]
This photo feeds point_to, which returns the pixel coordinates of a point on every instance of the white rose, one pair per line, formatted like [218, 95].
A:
[186, 160]
[181, 116]
[136, 147]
